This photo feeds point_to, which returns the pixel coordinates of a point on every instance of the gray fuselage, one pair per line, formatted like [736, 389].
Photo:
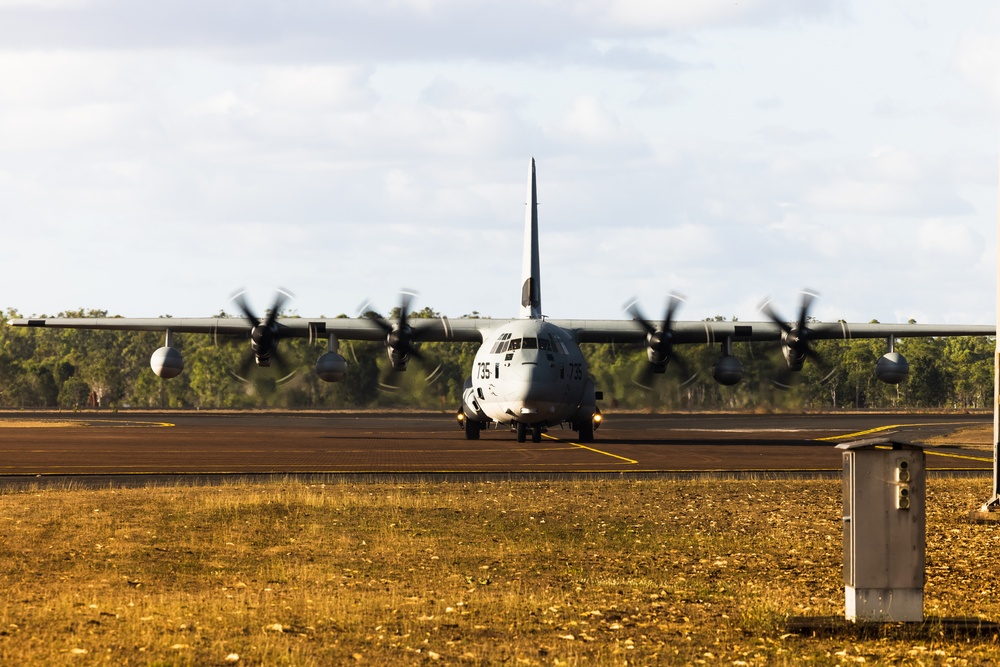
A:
[532, 372]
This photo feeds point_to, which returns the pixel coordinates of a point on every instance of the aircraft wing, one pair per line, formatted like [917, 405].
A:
[431, 330]
[846, 330]
[399, 337]
[472, 329]
[630, 331]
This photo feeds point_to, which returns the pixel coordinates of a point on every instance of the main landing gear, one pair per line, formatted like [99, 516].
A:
[472, 428]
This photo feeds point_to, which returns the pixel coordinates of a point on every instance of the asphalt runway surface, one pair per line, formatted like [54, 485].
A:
[102, 444]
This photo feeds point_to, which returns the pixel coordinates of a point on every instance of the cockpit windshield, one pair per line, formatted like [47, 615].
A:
[543, 343]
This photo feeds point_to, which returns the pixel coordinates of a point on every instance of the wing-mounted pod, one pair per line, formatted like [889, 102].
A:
[892, 367]
[727, 370]
[167, 362]
[331, 366]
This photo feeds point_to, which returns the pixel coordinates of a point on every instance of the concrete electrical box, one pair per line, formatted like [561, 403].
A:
[884, 530]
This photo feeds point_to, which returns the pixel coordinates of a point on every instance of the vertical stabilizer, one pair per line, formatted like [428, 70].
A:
[531, 291]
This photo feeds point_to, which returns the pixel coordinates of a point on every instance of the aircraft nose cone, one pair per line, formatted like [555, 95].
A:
[534, 369]
[534, 385]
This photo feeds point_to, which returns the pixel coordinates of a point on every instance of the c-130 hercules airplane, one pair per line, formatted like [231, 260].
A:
[529, 372]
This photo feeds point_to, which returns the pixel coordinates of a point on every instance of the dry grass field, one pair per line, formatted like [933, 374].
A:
[507, 573]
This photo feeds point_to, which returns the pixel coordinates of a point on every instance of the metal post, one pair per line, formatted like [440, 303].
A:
[993, 504]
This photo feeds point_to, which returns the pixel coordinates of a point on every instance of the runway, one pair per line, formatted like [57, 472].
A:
[192, 443]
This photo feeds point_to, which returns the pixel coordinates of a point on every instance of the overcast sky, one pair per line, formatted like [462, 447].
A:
[157, 156]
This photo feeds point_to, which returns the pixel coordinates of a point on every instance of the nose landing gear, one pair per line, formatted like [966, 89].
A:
[522, 432]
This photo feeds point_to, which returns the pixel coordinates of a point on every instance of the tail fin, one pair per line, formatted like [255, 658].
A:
[531, 291]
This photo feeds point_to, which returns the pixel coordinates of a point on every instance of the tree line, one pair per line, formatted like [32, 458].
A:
[70, 369]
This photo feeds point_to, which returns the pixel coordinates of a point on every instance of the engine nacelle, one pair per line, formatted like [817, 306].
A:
[397, 359]
[167, 362]
[892, 368]
[331, 367]
[727, 370]
[398, 345]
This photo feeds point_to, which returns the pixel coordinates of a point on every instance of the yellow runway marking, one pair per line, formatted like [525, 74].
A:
[130, 423]
[959, 456]
[591, 449]
[40, 423]
[936, 452]
[929, 450]
[79, 423]
[879, 429]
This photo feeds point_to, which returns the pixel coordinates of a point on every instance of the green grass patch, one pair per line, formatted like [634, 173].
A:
[534, 573]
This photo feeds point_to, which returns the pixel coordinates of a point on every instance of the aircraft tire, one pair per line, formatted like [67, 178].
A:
[522, 432]
[536, 433]
[586, 431]
[472, 428]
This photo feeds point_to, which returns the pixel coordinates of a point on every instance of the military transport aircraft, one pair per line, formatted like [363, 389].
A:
[529, 372]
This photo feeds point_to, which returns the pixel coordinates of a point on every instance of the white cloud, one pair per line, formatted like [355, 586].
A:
[890, 181]
[891, 164]
[711, 13]
[883, 198]
[786, 136]
[589, 122]
[44, 4]
[64, 77]
[399, 186]
[315, 88]
[975, 58]
[226, 103]
[940, 239]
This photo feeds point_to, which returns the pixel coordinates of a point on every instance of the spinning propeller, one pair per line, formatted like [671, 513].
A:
[264, 337]
[659, 343]
[795, 340]
[400, 342]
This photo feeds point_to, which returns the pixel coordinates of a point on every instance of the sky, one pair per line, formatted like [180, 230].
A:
[156, 157]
